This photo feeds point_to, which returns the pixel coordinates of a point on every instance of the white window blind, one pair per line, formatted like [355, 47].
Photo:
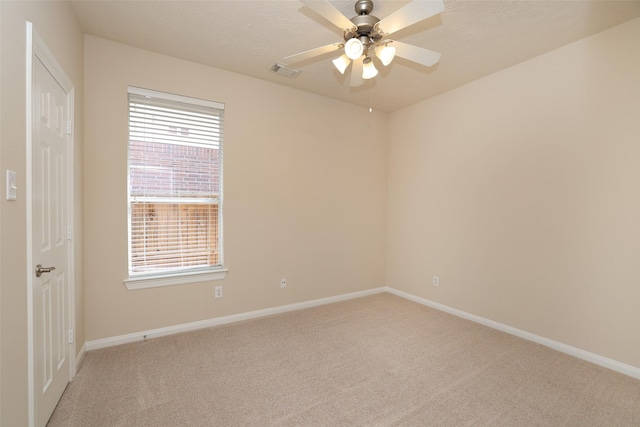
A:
[175, 183]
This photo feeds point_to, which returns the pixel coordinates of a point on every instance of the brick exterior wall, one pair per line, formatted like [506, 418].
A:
[173, 235]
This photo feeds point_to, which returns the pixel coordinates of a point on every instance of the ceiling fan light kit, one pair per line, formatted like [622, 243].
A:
[341, 63]
[385, 54]
[353, 48]
[364, 36]
[369, 71]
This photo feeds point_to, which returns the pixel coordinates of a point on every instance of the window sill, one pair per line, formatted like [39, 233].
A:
[144, 282]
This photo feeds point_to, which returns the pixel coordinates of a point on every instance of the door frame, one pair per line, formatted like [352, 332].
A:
[36, 49]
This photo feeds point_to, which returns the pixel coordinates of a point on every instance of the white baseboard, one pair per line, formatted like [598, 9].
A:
[614, 365]
[80, 358]
[185, 327]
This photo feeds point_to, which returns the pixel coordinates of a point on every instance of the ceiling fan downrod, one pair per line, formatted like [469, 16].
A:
[364, 7]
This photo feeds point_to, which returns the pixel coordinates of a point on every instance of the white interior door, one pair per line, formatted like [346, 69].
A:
[50, 247]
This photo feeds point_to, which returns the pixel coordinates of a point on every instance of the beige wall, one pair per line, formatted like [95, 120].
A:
[305, 194]
[56, 23]
[522, 192]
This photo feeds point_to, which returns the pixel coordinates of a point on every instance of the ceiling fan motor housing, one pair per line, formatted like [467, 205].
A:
[365, 24]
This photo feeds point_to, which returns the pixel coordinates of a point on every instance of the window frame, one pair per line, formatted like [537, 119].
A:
[191, 275]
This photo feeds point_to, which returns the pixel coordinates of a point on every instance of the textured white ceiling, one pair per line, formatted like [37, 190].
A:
[476, 38]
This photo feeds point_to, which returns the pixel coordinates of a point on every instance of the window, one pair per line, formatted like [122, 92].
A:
[174, 189]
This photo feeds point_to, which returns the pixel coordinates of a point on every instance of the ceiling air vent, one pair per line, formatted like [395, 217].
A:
[285, 70]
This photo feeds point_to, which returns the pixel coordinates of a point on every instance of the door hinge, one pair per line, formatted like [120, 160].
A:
[71, 337]
[69, 127]
[68, 233]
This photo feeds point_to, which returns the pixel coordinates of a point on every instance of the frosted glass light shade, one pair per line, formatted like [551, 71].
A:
[353, 48]
[342, 63]
[385, 54]
[369, 71]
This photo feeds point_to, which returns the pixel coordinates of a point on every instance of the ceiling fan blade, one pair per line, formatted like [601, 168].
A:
[356, 72]
[303, 56]
[330, 13]
[416, 54]
[415, 11]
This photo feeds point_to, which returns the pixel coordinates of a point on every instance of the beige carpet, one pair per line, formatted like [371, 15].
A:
[374, 361]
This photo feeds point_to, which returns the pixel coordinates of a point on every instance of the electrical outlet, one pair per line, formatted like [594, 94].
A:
[283, 282]
[436, 281]
[218, 291]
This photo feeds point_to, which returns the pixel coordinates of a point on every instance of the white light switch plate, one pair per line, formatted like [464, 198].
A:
[12, 188]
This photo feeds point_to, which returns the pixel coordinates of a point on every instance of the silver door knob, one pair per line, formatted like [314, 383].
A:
[40, 269]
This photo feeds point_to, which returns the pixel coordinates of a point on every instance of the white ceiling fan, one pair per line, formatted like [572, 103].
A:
[365, 36]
